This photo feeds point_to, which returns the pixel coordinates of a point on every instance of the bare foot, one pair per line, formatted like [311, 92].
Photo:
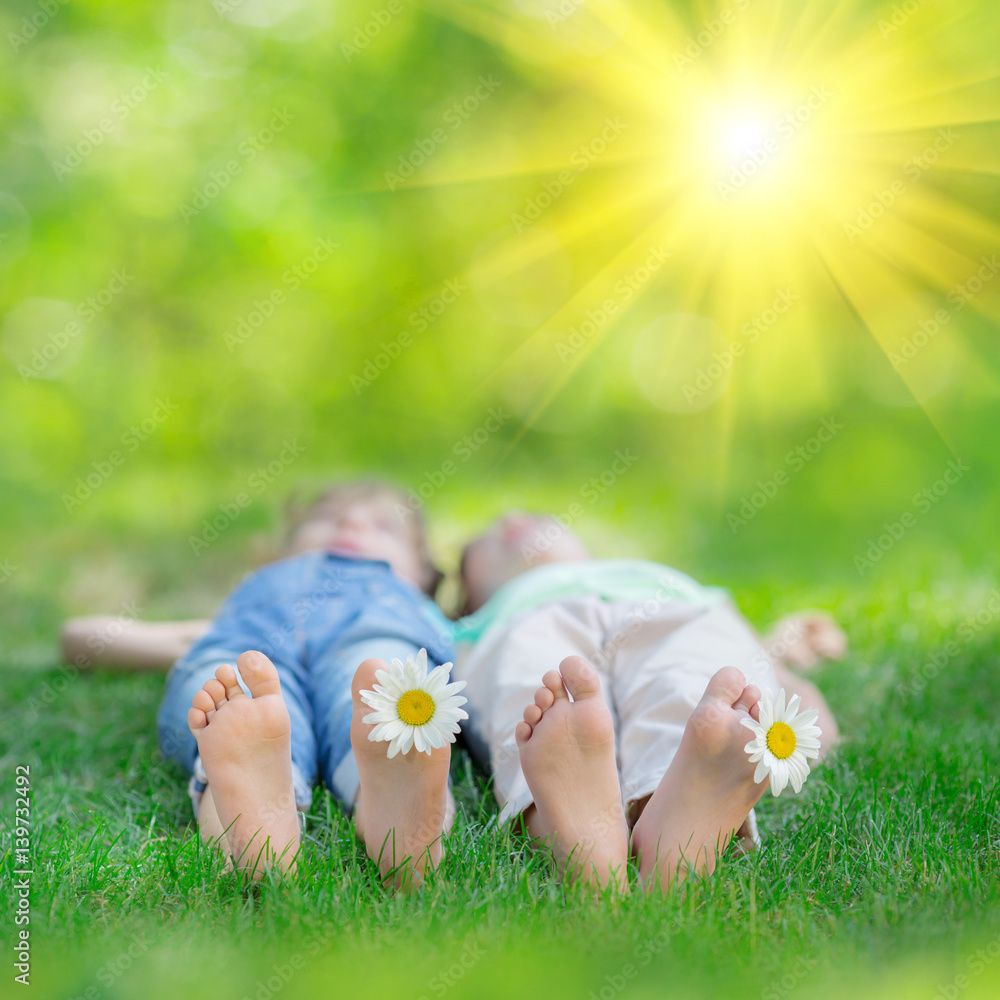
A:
[708, 790]
[802, 639]
[568, 757]
[246, 749]
[404, 804]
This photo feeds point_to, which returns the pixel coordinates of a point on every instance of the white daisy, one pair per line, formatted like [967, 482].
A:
[782, 742]
[414, 708]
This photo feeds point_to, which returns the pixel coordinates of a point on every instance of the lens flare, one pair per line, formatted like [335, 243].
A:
[840, 154]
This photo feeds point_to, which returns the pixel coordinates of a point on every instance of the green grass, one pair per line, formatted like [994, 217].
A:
[880, 879]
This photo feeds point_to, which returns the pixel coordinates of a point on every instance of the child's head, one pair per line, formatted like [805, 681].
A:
[512, 545]
[363, 518]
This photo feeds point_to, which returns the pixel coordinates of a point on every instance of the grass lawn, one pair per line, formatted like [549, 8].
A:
[880, 880]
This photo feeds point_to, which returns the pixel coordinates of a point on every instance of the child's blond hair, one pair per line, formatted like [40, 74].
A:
[339, 495]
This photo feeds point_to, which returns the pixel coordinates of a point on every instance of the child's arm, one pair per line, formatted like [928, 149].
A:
[113, 641]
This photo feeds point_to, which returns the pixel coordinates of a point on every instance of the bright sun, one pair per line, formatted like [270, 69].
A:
[815, 153]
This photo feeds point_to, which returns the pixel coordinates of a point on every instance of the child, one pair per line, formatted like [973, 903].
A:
[297, 629]
[648, 756]
[655, 638]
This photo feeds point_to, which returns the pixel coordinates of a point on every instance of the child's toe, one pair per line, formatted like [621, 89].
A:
[203, 701]
[554, 682]
[226, 676]
[216, 691]
[544, 698]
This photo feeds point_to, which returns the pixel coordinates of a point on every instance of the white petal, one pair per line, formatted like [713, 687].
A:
[779, 777]
[406, 740]
[779, 707]
[392, 729]
[800, 773]
[806, 718]
[793, 707]
[751, 725]
[434, 736]
[766, 710]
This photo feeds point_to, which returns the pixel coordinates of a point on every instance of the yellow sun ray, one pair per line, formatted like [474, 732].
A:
[833, 150]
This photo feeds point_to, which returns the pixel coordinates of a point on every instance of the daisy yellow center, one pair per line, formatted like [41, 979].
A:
[415, 707]
[781, 740]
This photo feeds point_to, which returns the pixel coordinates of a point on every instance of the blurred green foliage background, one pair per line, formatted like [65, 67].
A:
[251, 246]
[174, 178]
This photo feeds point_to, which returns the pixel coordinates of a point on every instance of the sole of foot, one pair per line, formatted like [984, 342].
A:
[404, 805]
[245, 747]
[567, 751]
[708, 790]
